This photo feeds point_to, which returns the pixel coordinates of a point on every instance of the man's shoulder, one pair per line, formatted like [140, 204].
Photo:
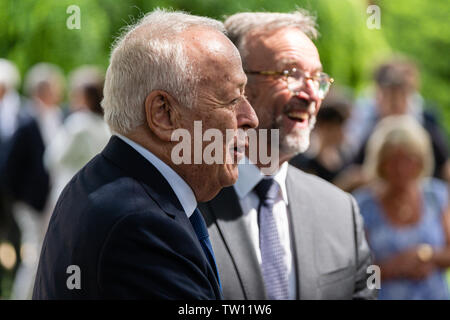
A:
[105, 187]
[101, 193]
[299, 178]
[98, 199]
[328, 202]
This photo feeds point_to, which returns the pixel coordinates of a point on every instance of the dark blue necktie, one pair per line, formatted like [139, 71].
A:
[273, 267]
[198, 223]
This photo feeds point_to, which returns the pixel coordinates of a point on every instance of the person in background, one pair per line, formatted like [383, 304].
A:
[326, 156]
[25, 177]
[84, 133]
[370, 106]
[10, 100]
[10, 103]
[397, 84]
[406, 212]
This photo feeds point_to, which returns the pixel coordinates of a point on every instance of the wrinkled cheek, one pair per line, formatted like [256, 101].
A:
[233, 172]
[268, 110]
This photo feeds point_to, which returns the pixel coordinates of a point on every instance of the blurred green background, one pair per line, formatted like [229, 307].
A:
[34, 31]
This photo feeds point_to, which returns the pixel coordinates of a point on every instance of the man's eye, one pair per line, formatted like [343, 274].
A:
[235, 101]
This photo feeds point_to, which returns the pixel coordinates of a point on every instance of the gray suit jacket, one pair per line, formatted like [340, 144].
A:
[330, 250]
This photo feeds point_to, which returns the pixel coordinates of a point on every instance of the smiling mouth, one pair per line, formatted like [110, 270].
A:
[299, 116]
[299, 111]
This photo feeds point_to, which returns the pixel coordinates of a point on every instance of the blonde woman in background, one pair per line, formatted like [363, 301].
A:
[406, 212]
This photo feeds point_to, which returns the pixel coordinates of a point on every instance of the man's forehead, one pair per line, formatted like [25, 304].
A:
[282, 48]
[205, 38]
[216, 59]
[208, 46]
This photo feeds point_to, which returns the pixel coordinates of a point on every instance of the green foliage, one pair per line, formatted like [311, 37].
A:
[421, 29]
[34, 31]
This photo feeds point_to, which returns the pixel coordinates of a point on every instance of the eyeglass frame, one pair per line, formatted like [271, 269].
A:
[286, 74]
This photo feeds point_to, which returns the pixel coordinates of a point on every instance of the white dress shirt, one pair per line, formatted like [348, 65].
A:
[249, 177]
[181, 189]
[50, 121]
[9, 110]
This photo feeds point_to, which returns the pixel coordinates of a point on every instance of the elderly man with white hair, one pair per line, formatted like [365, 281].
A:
[289, 235]
[127, 224]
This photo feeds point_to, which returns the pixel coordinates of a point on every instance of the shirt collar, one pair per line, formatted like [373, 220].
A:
[250, 176]
[182, 190]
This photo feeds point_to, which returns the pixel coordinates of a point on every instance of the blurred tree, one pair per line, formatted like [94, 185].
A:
[34, 31]
[421, 29]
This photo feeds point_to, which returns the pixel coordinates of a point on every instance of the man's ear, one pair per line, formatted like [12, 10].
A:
[161, 113]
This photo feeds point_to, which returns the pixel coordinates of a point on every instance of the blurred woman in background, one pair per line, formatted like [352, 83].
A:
[84, 133]
[406, 213]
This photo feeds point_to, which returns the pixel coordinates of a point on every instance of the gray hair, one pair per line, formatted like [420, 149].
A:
[43, 73]
[157, 60]
[240, 24]
[9, 75]
[394, 131]
[84, 76]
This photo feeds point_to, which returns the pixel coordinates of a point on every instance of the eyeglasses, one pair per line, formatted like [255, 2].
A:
[296, 78]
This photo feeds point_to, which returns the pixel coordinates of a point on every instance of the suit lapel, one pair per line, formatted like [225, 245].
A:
[136, 166]
[301, 214]
[228, 215]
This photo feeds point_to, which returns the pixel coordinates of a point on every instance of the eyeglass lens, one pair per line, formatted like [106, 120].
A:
[296, 81]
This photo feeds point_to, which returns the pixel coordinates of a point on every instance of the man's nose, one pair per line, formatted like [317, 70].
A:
[309, 91]
[246, 116]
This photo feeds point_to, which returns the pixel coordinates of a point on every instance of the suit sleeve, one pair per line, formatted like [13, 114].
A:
[151, 258]
[23, 172]
[363, 258]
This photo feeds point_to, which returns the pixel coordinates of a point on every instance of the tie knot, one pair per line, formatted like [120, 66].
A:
[267, 189]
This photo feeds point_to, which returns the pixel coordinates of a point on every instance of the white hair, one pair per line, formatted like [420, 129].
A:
[84, 76]
[9, 75]
[40, 74]
[154, 59]
[398, 131]
[239, 25]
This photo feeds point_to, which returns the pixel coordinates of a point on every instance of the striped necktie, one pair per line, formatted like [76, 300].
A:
[273, 267]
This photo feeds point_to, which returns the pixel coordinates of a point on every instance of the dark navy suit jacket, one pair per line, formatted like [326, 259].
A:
[120, 222]
[22, 172]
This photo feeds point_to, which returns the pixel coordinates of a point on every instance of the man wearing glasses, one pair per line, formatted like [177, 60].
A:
[287, 235]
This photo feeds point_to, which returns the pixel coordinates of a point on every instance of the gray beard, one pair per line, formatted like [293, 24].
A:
[295, 142]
